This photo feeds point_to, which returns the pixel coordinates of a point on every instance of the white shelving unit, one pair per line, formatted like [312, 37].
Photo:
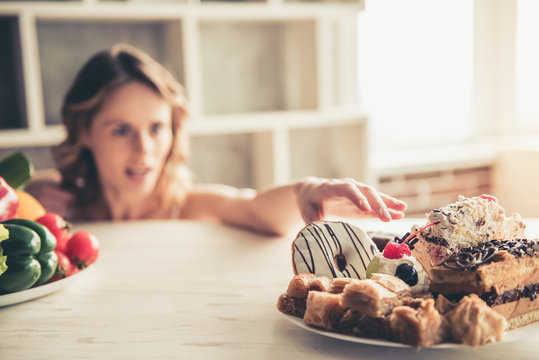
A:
[272, 84]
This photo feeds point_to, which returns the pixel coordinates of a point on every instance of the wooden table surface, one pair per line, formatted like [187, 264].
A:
[178, 289]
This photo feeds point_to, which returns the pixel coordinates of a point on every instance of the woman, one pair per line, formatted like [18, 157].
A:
[125, 156]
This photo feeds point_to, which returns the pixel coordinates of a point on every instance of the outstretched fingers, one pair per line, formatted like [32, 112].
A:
[396, 214]
[378, 205]
[367, 199]
[314, 195]
[393, 203]
[349, 189]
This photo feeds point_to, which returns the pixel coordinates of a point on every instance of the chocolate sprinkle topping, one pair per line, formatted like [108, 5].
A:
[470, 258]
[401, 240]
[412, 242]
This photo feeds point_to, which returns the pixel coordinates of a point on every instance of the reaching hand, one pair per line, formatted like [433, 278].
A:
[52, 197]
[318, 198]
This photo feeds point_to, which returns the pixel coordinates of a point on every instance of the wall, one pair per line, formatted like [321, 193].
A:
[515, 181]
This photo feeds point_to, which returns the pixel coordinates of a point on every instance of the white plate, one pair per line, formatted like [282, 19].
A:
[39, 291]
[508, 336]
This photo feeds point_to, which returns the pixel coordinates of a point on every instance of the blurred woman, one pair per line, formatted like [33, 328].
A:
[125, 153]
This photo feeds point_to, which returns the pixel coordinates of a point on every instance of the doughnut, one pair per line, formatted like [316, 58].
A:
[333, 249]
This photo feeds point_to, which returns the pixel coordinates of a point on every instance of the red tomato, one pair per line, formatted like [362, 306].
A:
[64, 269]
[82, 249]
[73, 271]
[58, 227]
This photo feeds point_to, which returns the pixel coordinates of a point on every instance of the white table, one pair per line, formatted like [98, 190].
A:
[177, 289]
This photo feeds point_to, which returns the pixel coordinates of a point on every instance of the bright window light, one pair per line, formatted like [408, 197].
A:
[527, 63]
[416, 71]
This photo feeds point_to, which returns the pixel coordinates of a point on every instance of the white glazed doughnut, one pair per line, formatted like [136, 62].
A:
[333, 249]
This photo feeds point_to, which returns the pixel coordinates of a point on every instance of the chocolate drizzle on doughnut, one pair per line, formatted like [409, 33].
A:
[310, 268]
[340, 261]
[470, 258]
[321, 240]
[351, 232]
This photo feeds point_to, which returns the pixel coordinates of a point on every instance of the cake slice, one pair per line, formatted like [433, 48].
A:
[472, 247]
[505, 274]
[466, 223]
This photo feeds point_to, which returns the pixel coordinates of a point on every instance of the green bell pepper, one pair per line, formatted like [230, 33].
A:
[23, 269]
[4, 234]
[46, 256]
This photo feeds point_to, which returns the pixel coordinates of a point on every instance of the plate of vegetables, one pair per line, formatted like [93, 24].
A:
[38, 291]
[40, 257]
[38, 253]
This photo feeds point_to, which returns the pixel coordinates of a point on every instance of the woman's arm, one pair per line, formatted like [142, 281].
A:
[280, 209]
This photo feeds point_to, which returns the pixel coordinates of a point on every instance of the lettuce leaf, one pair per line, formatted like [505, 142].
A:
[4, 234]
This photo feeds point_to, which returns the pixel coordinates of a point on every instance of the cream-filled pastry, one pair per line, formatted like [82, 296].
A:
[406, 268]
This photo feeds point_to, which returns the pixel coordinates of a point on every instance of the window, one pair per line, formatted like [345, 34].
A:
[527, 60]
[416, 71]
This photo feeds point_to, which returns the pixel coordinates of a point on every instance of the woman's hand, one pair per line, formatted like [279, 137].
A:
[53, 198]
[317, 198]
[281, 209]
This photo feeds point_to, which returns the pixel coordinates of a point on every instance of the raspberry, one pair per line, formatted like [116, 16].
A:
[395, 250]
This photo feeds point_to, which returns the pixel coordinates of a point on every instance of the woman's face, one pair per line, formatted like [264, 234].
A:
[130, 138]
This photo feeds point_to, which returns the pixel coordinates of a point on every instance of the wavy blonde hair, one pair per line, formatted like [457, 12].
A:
[105, 72]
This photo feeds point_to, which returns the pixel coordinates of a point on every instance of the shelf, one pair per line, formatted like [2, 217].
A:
[332, 152]
[268, 81]
[263, 158]
[214, 125]
[51, 135]
[256, 122]
[59, 63]
[213, 157]
[213, 10]
[268, 66]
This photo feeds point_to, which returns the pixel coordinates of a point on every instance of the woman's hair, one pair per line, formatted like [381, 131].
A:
[105, 72]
